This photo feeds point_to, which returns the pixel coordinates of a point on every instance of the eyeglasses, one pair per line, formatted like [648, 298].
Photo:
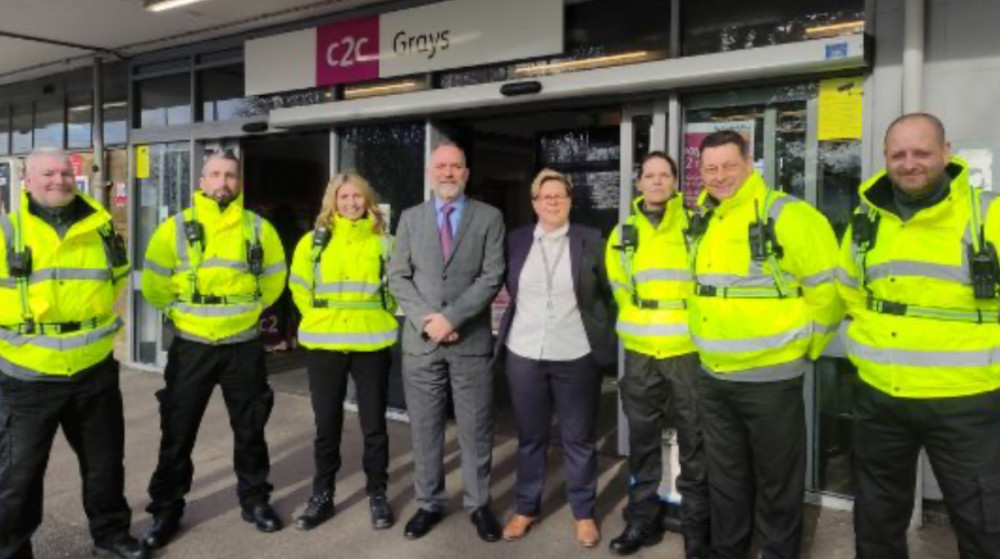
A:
[552, 198]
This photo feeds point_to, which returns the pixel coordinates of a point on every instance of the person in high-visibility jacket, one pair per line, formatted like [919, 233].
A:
[920, 276]
[212, 269]
[64, 266]
[765, 302]
[338, 282]
[647, 262]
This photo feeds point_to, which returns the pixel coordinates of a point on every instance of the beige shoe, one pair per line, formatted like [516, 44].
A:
[587, 532]
[517, 527]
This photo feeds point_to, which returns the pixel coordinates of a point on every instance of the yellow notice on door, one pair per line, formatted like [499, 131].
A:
[840, 102]
[142, 162]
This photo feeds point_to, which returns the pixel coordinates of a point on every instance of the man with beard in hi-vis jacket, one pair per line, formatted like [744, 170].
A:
[212, 269]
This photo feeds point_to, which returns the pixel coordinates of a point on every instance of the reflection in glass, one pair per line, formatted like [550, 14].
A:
[50, 124]
[22, 132]
[164, 101]
[391, 158]
[591, 158]
[840, 174]
[4, 129]
[165, 192]
[598, 33]
[79, 117]
[836, 379]
[220, 91]
[115, 122]
[710, 26]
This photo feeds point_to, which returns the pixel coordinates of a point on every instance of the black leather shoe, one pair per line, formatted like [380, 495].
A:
[486, 524]
[165, 527]
[382, 516]
[125, 548]
[264, 517]
[319, 509]
[633, 538]
[421, 523]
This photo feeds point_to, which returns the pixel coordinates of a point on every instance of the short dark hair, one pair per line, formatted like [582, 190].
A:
[657, 154]
[721, 138]
[226, 155]
[928, 117]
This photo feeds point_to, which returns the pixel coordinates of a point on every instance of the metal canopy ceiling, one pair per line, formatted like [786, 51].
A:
[125, 27]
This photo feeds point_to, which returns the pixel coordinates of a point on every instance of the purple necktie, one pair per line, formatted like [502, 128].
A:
[445, 233]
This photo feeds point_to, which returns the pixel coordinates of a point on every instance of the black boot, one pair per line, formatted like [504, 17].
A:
[319, 509]
[634, 537]
[382, 516]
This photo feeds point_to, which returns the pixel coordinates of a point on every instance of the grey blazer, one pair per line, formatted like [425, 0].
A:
[461, 288]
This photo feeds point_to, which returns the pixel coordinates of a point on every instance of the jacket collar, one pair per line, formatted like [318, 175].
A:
[209, 212]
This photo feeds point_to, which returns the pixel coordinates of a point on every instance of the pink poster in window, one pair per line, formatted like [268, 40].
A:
[347, 52]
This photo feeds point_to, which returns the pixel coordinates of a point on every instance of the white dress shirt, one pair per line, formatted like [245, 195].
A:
[547, 324]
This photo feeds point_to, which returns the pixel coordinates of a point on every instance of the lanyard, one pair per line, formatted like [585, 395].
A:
[550, 271]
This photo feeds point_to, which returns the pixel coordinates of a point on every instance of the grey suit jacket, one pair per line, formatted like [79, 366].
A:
[461, 288]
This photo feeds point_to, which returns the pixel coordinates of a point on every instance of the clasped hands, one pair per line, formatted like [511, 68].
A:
[439, 329]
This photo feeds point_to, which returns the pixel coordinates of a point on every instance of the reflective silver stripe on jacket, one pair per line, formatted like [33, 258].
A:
[650, 330]
[923, 358]
[151, 266]
[276, 268]
[665, 274]
[20, 372]
[347, 287]
[767, 373]
[845, 278]
[214, 311]
[247, 335]
[736, 280]
[774, 341]
[911, 268]
[819, 278]
[347, 338]
[71, 341]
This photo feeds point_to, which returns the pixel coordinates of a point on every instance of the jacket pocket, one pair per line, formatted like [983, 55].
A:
[989, 491]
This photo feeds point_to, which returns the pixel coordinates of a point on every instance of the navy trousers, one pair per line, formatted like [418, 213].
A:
[571, 389]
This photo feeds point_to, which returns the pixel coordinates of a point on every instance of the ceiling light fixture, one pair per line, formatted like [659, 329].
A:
[584, 63]
[833, 30]
[161, 5]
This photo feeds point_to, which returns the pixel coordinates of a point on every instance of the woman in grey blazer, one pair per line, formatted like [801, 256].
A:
[558, 333]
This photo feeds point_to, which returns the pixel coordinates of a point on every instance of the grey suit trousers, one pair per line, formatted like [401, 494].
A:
[425, 381]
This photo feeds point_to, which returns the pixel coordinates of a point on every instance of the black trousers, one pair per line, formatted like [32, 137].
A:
[755, 438]
[572, 388]
[193, 370]
[659, 393]
[89, 409]
[962, 439]
[328, 372]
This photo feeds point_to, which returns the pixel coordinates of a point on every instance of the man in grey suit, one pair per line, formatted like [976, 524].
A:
[447, 268]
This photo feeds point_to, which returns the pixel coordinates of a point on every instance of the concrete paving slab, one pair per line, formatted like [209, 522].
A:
[213, 528]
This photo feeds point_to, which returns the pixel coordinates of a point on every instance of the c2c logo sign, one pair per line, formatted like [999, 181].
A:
[347, 52]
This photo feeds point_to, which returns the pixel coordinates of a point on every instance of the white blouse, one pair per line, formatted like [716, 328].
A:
[547, 324]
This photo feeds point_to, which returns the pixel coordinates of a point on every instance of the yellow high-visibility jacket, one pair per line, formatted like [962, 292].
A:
[341, 289]
[915, 330]
[207, 288]
[652, 283]
[68, 298]
[744, 317]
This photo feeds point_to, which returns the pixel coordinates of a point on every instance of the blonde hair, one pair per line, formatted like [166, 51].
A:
[546, 175]
[329, 206]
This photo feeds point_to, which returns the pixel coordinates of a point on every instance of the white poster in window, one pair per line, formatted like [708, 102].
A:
[980, 167]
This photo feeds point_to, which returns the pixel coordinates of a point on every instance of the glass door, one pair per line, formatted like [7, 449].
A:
[163, 182]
